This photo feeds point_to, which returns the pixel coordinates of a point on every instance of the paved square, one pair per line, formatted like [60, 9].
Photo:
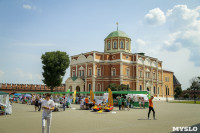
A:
[25, 120]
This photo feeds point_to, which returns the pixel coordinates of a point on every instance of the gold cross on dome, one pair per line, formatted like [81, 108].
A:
[117, 25]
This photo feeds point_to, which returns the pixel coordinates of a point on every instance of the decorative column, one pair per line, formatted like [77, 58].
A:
[157, 78]
[85, 76]
[93, 78]
[121, 73]
[162, 83]
[118, 44]
[76, 71]
[152, 88]
[111, 44]
[144, 78]
[70, 71]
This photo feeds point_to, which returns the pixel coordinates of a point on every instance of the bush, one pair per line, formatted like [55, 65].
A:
[186, 95]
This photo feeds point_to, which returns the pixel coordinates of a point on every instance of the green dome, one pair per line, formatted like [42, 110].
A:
[117, 34]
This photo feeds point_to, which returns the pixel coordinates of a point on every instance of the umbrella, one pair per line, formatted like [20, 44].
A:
[27, 95]
[17, 94]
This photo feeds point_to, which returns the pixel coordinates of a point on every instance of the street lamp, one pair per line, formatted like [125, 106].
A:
[166, 94]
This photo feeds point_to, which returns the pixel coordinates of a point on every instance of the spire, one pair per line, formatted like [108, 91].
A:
[117, 25]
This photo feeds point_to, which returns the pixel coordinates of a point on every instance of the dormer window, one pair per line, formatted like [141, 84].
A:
[122, 44]
[115, 44]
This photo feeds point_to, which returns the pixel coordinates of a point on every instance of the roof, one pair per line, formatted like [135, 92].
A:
[3, 93]
[117, 34]
[175, 80]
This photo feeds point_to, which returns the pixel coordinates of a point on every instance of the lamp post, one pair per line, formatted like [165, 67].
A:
[166, 94]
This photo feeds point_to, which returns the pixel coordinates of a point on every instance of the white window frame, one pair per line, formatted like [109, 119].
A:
[113, 72]
[147, 74]
[98, 71]
[115, 44]
[140, 74]
[127, 46]
[89, 71]
[108, 44]
[121, 44]
[73, 73]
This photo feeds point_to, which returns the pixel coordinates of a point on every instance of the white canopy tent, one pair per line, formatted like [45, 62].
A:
[4, 101]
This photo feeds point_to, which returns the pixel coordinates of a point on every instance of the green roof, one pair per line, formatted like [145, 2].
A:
[117, 34]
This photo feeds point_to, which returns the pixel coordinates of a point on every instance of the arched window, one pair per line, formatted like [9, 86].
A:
[140, 87]
[127, 46]
[122, 44]
[109, 45]
[113, 72]
[154, 90]
[115, 44]
[89, 87]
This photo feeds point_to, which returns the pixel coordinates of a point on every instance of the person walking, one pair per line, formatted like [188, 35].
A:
[120, 103]
[64, 103]
[40, 103]
[48, 107]
[128, 103]
[151, 108]
[36, 103]
[143, 102]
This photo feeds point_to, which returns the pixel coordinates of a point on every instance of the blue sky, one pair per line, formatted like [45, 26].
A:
[165, 29]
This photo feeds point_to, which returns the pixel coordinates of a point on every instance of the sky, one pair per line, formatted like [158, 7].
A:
[165, 29]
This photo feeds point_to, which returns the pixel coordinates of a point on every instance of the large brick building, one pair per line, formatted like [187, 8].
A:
[96, 70]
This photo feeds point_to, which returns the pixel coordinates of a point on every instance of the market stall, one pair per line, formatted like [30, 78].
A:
[5, 107]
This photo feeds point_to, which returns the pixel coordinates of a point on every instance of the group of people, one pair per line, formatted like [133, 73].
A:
[47, 103]
[126, 102]
[86, 103]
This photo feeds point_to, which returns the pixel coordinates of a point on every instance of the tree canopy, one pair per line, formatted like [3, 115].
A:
[177, 91]
[54, 68]
[116, 87]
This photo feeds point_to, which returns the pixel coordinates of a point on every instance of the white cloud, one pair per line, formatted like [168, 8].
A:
[27, 7]
[155, 17]
[26, 75]
[184, 25]
[141, 42]
[1, 73]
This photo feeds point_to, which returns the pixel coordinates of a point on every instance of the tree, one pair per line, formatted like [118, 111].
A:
[123, 87]
[113, 87]
[186, 95]
[195, 83]
[177, 91]
[54, 67]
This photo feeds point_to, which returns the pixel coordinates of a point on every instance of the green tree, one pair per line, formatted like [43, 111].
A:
[186, 95]
[54, 67]
[177, 91]
[113, 87]
[123, 87]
